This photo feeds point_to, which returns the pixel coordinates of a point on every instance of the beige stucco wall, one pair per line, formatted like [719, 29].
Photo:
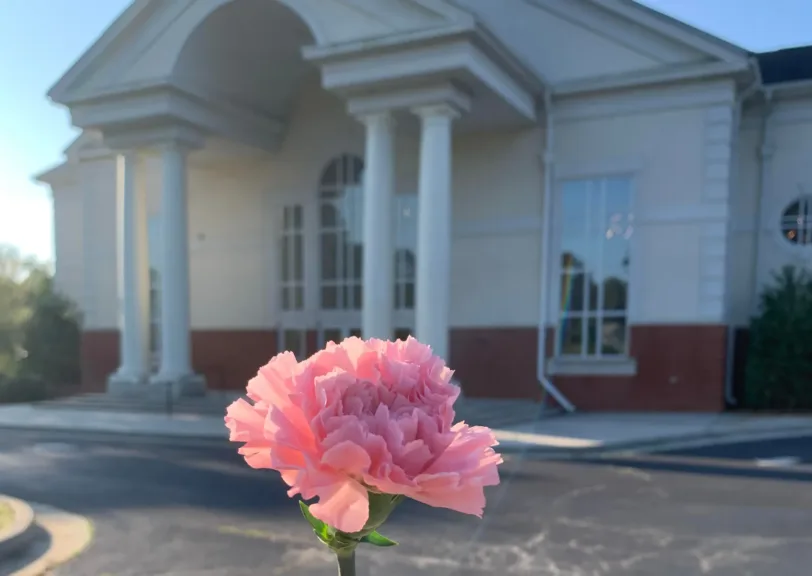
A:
[756, 222]
[68, 207]
[676, 144]
[99, 239]
[234, 211]
[234, 220]
[673, 144]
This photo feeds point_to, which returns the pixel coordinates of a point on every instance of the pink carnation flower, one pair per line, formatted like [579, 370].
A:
[364, 415]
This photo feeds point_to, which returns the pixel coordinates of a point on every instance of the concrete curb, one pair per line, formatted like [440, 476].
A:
[66, 536]
[22, 530]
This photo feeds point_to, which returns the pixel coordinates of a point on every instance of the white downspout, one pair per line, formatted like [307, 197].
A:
[755, 87]
[546, 239]
[764, 175]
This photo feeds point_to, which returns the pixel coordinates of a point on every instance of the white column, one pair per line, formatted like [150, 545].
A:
[378, 277]
[175, 368]
[433, 293]
[133, 280]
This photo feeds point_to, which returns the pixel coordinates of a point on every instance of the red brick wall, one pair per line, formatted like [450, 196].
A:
[497, 362]
[678, 367]
[100, 358]
[229, 358]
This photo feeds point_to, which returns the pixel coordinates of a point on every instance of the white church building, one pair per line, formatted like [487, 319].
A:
[582, 196]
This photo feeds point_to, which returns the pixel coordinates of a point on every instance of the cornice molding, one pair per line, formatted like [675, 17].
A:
[142, 105]
[694, 95]
[666, 74]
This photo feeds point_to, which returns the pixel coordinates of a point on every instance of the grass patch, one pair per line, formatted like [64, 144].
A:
[6, 516]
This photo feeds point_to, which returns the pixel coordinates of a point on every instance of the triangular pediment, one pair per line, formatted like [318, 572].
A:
[568, 41]
[143, 45]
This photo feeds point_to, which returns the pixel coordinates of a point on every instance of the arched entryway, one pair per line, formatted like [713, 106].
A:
[311, 318]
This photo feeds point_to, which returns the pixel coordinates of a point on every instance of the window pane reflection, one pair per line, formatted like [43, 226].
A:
[597, 225]
[341, 223]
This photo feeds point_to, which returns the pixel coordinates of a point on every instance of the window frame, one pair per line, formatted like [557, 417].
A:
[289, 286]
[349, 289]
[154, 231]
[804, 202]
[558, 271]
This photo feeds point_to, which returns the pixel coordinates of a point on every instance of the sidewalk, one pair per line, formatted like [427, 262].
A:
[570, 435]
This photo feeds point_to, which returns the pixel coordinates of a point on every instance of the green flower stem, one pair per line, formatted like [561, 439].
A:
[346, 562]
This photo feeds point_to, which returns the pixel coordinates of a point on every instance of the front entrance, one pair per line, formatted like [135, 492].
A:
[320, 260]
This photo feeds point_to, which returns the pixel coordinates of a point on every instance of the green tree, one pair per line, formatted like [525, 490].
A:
[779, 362]
[14, 310]
[51, 334]
[39, 331]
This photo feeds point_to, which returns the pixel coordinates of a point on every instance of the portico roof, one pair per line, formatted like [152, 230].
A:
[233, 68]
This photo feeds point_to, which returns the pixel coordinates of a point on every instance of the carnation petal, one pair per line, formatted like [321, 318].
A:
[256, 455]
[272, 384]
[343, 505]
[364, 415]
[465, 499]
[347, 456]
[244, 421]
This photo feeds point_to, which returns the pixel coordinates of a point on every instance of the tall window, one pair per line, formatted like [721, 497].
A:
[292, 261]
[597, 223]
[154, 245]
[405, 249]
[341, 234]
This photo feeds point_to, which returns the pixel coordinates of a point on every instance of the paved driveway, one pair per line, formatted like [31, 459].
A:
[197, 510]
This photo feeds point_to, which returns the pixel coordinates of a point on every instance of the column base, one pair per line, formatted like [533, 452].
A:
[189, 385]
[119, 384]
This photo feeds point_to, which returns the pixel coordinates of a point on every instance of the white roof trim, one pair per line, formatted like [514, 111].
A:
[136, 10]
[60, 175]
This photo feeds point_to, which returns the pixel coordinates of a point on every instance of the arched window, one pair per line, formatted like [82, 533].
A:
[341, 234]
[796, 222]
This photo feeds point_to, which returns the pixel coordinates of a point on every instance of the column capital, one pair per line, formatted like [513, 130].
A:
[383, 118]
[129, 155]
[438, 111]
[446, 93]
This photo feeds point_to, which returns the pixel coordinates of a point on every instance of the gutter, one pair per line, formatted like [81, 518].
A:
[546, 239]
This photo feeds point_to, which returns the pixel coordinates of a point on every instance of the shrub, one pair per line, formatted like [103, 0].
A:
[779, 362]
[39, 329]
[23, 389]
[51, 335]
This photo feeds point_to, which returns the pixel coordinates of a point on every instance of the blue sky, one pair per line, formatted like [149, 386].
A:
[39, 39]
